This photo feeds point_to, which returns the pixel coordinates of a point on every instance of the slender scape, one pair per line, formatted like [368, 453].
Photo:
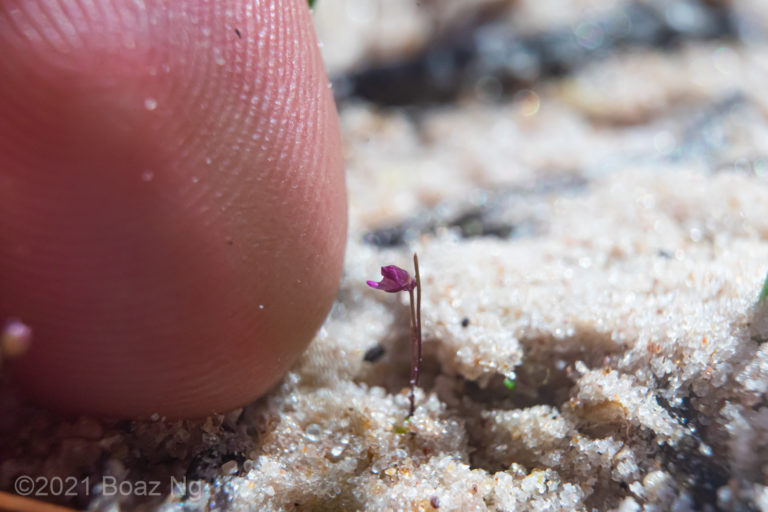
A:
[394, 280]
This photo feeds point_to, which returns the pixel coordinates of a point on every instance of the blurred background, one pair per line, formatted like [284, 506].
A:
[454, 108]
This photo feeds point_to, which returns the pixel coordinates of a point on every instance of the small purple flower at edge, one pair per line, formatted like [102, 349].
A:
[395, 280]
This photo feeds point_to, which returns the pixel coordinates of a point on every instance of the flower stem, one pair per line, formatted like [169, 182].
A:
[414, 354]
[415, 335]
[418, 307]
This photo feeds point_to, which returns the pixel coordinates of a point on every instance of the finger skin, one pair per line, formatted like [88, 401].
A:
[172, 199]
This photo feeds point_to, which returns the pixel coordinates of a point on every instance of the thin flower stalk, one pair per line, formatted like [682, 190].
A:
[394, 280]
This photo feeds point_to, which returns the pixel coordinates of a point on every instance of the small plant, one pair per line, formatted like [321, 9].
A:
[394, 280]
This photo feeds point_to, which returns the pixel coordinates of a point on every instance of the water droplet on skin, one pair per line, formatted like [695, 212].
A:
[208, 161]
[220, 61]
[147, 176]
[150, 104]
[195, 179]
[206, 31]
[261, 306]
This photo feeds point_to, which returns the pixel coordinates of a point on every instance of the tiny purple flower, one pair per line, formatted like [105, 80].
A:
[395, 280]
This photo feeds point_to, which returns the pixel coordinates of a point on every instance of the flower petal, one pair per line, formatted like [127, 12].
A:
[395, 279]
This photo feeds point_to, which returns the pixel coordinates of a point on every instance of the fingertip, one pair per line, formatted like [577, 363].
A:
[174, 232]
